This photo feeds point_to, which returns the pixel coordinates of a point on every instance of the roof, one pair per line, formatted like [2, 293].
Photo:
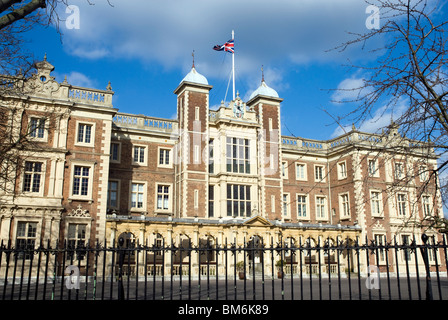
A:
[264, 90]
[195, 77]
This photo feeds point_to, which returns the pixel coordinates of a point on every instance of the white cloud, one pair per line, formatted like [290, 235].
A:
[350, 89]
[78, 79]
[167, 32]
[380, 120]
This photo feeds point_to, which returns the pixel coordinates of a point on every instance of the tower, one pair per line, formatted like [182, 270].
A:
[266, 103]
[191, 167]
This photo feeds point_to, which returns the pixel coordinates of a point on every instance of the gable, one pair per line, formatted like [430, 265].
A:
[257, 221]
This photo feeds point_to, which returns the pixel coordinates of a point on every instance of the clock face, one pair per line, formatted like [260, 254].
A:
[238, 109]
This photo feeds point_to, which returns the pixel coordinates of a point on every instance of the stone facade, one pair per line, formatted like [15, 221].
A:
[219, 176]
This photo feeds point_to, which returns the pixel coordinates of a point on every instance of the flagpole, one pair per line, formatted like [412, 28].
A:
[233, 65]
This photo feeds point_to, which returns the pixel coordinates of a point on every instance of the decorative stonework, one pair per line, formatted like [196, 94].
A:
[79, 213]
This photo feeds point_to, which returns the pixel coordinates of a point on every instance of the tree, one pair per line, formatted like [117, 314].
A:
[17, 139]
[409, 81]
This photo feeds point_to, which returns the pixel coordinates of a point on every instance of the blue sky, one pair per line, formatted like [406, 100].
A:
[144, 48]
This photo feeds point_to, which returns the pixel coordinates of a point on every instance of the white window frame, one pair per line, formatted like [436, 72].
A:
[145, 155]
[304, 178]
[319, 205]
[75, 237]
[342, 170]
[406, 252]
[379, 203]
[144, 196]
[302, 205]
[170, 158]
[376, 171]
[170, 198]
[286, 205]
[39, 193]
[82, 143]
[316, 178]
[91, 167]
[247, 202]
[427, 207]
[423, 174]
[26, 237]
[44, 138]
[285, 169]
[344, 205]
[380, 240]
[398, 170]
[402, 205]
[238, 157]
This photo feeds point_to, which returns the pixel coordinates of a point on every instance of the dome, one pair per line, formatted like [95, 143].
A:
[195, 77]
[264, 90]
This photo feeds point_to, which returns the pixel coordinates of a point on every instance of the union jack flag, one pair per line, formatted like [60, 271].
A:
[228, 46]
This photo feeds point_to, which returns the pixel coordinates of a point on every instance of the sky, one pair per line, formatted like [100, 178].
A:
[144, 48]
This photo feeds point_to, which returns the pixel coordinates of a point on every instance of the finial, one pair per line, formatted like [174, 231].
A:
[262, 74]
[192, 54]
[45, 57]
[109, 87]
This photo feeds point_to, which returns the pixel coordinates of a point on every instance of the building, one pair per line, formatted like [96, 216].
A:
[211, 177]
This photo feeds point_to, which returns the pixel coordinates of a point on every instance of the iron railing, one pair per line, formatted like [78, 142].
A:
[331, 270]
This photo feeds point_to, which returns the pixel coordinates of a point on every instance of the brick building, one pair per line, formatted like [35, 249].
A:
[209, 177]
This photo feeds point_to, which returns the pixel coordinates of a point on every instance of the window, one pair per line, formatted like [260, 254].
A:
[380, 241]
[137, 196]
[372, 167]
[238, 200]
[211, 165]
[344, 205]
[237, 155]
[196, 198]
[211, 201]
[375, 203]
[163, 197]
[342, 170]
[406, 252]
[300, 171]
[37, 128]
[115, 152]
[426, 203]
[81, 177]
[318, 173]
[320, 208]
[399, 171]
[197, 154]
[401, 204]
[285, 170]
[196, 113]
[301, 206]
[26, 238]
[285, 205]
[112, 194]
[32, 177]
[76, 236]
[85, 133]
[423, 173]
[139, 155]
[164, 157]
